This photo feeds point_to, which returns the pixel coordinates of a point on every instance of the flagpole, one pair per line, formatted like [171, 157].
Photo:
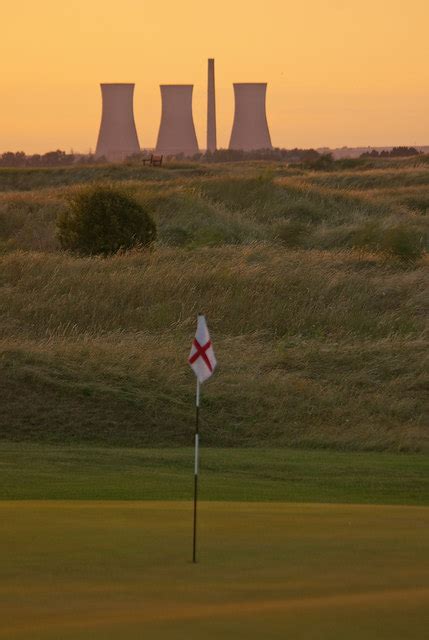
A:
[197, 436]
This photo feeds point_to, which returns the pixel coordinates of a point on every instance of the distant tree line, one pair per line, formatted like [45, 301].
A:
[309, 157]
[284, 155]
[235, 155]
[60, 158]
[56, 158]
[396, 152]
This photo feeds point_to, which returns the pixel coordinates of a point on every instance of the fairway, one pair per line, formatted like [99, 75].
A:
[83, 472]
[111, 570]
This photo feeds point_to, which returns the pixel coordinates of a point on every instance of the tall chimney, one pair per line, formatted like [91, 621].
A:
[118, 136]
[211, 109]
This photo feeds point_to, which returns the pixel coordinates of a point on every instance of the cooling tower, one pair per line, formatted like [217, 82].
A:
[118, 136]
[250, 130]
[211, 109]
[177, 132]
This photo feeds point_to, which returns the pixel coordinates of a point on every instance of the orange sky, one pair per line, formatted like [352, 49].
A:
[340, 72]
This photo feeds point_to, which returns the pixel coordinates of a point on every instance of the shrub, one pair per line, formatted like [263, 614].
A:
[292, 233]
[367, 236]
[402, 243]
[102, 220]
[417, 202]
[176, 236]
[304, 211]
[326, 162]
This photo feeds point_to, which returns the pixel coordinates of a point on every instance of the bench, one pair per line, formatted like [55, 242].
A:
[153, 161]
[156, 161]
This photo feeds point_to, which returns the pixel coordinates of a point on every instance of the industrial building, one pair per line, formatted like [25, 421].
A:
[250, 129]
[118, 138]
[177, 131]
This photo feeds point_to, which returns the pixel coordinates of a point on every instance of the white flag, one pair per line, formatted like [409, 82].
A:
[202, 358]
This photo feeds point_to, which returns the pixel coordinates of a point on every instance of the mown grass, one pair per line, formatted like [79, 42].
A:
[80, 472]
[112, 570]
[320, 329]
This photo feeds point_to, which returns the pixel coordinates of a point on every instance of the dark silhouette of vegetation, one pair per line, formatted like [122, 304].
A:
[237, 155]
[396, 242]
[324, 162]
[284, 155]
[402, 243]
[56, 158]
[292, 233]
[102, 221]
[310, 158]
[396, 152]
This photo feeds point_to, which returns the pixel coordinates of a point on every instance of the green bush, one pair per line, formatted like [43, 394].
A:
[367, 236]
[402, 243]
[102, 220]
[292, 233]
[304, 211]
[176, 236]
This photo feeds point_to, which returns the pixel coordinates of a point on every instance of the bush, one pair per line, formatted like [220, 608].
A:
[176, 236]
[304, 211]
[402, 243]
[103, 220]
[292, 233]
[326, 162]
[367, 236]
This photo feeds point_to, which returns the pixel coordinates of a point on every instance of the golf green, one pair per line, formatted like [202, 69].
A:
[108, 570]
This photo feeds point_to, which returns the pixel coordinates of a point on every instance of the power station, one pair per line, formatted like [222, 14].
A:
[177, 131]
[250, 129]
[118, 138]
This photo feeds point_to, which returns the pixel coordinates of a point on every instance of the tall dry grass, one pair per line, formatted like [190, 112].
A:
[221, 206]
[258, 288]
[318, 346]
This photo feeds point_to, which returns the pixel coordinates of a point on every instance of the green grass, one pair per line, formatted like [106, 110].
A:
[43, 472]
[113, 570]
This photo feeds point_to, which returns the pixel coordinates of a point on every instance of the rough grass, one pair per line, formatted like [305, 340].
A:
[246, 290]
[320, 330]
[200, 205]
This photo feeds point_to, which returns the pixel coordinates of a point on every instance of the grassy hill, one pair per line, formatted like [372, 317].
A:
[318, 321]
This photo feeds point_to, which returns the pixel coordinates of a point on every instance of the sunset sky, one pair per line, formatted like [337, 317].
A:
[340, 72]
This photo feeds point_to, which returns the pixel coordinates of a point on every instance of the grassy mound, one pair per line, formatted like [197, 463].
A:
[318, 324]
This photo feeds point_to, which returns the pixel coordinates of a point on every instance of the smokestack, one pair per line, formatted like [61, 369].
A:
[177, 131]
[250, 130]
[118, 135]
[211, 109]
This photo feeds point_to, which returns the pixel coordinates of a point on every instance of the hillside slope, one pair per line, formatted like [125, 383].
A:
[320, 340]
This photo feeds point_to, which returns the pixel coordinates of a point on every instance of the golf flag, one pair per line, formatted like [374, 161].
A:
[202, 358]
[202, 361]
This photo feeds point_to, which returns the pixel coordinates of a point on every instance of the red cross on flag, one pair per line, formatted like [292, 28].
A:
[202, 358]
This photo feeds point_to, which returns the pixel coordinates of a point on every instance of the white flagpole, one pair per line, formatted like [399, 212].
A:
[197, 452]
